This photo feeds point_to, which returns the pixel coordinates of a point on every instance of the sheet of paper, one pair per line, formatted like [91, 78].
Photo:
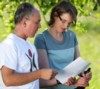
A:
[74, 68]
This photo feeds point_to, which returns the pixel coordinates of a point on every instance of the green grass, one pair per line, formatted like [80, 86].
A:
[89, 45]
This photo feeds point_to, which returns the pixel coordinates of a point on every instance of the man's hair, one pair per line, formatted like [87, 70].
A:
[25, 9]
[61, 8]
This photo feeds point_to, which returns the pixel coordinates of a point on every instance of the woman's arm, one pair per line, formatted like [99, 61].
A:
[43, 63]
[88, 75]
[77, 52]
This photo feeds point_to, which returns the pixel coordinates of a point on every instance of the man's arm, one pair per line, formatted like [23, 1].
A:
[11, 78]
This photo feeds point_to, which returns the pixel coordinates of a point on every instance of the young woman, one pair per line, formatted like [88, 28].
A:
[57, 46]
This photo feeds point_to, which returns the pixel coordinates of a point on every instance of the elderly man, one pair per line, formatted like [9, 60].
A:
[18, 58]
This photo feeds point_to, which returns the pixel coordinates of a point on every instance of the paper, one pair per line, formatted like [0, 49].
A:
[74, 68]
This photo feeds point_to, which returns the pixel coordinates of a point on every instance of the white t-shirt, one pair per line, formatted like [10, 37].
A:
[15, 53]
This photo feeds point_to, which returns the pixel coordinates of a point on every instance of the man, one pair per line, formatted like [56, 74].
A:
[18, 58]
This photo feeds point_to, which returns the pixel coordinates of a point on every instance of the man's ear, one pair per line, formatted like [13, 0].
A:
[24, 22]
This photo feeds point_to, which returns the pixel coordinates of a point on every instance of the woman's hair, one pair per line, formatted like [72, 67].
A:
[61, 8]
[25, 9]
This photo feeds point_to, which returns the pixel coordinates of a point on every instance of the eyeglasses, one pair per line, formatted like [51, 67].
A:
[64, 21]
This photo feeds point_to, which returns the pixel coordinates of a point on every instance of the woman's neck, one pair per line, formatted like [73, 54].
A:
[56, 34]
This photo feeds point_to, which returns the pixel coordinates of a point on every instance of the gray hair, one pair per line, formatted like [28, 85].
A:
[25, 9]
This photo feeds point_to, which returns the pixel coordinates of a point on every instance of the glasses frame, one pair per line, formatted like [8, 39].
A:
[69, 24]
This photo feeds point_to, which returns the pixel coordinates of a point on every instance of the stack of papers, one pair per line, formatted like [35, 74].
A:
[74, 68]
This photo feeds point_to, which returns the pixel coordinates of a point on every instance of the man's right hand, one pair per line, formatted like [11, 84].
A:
[47, 74]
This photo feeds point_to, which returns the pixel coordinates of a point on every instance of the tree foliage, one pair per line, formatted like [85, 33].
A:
[8, 7]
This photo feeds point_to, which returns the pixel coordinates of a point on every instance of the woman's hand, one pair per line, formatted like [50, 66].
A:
[70, 81]
[81, 82]
[88, 75]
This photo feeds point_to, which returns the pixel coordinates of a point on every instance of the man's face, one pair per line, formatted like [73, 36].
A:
[32, 24]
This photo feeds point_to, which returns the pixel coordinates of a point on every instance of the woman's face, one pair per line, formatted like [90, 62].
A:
[63, 22]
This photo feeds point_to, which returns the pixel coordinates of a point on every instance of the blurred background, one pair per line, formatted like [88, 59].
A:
[87, 28]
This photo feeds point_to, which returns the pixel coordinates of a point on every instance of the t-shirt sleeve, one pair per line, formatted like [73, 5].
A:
[40, 42]
[8, 56]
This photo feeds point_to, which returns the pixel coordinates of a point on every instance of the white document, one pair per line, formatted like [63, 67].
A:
[74, 68]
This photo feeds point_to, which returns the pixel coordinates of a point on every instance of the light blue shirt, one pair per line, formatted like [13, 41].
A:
[60, 53]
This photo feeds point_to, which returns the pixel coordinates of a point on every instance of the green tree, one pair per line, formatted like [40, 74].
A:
[8, 7]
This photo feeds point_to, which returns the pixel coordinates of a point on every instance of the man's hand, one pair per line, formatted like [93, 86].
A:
[47, 74]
